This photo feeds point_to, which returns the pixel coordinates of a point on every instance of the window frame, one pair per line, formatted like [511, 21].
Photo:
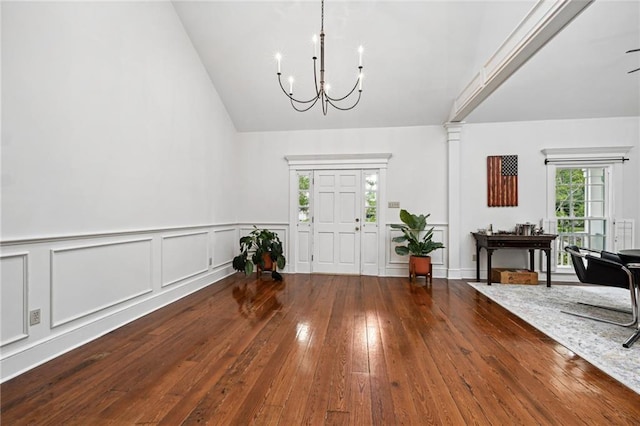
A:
[610, 158]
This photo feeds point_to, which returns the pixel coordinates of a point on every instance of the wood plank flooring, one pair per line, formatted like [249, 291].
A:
[321, 349]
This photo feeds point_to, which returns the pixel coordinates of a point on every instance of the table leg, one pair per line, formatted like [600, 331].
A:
[531, 268]
[548, 253]
[477, 262]
[489, 253]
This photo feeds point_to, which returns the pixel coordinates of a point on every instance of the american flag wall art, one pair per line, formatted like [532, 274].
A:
[502, 180]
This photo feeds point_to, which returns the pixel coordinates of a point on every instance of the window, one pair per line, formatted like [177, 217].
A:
[371, 197]
[304, 186]
[581, 209]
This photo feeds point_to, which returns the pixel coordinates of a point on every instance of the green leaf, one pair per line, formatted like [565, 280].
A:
[399, 239]
[281, 262]
[406, 218]
[402, 250]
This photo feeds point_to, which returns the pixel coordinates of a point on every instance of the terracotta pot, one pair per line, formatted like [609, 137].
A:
[420, 266]
[268, 263]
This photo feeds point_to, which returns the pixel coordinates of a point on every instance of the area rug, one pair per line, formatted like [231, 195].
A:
[596, 342]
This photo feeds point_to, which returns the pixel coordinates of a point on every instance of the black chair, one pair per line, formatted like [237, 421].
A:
[604, 268]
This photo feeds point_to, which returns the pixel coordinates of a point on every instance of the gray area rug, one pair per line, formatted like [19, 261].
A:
[597, 342]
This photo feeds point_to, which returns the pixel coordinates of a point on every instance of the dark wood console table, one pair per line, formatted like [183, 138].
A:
[511, 241]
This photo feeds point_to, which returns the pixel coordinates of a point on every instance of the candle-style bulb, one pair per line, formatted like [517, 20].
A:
[360, 82]
[278, 59]
[315, 45]
[290, 84]
[360, 50]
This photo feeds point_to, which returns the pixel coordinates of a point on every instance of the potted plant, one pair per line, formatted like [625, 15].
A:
[419, 243]
[262, 248]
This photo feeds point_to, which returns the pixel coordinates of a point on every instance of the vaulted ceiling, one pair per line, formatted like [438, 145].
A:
[418, 57]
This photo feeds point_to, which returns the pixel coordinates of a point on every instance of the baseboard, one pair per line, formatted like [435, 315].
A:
[14, 363]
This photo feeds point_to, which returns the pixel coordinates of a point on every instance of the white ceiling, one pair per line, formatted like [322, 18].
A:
[418, 57]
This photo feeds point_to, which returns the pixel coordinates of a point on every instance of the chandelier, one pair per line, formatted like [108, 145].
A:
[322, 87]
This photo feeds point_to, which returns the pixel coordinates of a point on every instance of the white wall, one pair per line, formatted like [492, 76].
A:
[415, 176]
[416, 173]
[527, 139]
[110, 121]
[116, 161]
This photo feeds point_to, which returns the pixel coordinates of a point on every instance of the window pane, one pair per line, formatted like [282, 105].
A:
[371, 183]
[304, 182]
[303, 214]
[370, 199]
[580, 209]
[370, 216]
[303, 198]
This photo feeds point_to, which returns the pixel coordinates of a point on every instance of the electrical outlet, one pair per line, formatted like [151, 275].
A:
[394, 204]
[34, 317]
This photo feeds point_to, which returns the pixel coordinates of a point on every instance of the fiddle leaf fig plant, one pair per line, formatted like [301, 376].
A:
[254, 246]
[412, 228]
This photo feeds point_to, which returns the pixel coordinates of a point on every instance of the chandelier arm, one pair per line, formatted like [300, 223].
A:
[303, 109]
[346, 109]
[291, 96]
[347, 95]
[315, 76]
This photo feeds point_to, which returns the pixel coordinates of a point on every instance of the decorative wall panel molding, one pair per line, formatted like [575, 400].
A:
[184, 256]
[398, 265]
[88, 279]
[13, 297]
[225, 243]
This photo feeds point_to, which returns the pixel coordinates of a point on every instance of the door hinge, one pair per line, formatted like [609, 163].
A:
[312, 258]
[311, 219]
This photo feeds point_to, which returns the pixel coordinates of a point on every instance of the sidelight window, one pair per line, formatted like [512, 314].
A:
[371, 197]
[304, 200]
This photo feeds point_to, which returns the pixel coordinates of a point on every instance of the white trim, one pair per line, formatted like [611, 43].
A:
[543, 22]
[25, 298]
[584, 153]
[102, 307]
[191, 274]
[65, 237]
[338, 161]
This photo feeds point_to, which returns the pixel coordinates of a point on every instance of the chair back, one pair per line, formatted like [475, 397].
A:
[578, 262]
[603, 270]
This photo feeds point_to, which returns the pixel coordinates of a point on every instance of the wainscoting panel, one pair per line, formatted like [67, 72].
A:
[225, 245]
[398, 265]
[184, 256]
[369, 250]
[88, 279]
[13, 297]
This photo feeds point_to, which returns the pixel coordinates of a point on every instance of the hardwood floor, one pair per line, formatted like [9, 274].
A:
[321, 349]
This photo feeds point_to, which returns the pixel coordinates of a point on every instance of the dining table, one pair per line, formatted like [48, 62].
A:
[631, 259]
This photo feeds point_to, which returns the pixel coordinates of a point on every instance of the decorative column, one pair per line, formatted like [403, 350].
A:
[454, 137]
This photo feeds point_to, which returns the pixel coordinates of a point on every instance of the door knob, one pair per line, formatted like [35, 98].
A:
[357, 219]
[357, 228]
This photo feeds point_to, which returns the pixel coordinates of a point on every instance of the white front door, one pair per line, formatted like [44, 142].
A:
[337, 221]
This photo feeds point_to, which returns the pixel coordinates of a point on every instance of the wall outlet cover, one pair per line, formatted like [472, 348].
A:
[34, 317]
